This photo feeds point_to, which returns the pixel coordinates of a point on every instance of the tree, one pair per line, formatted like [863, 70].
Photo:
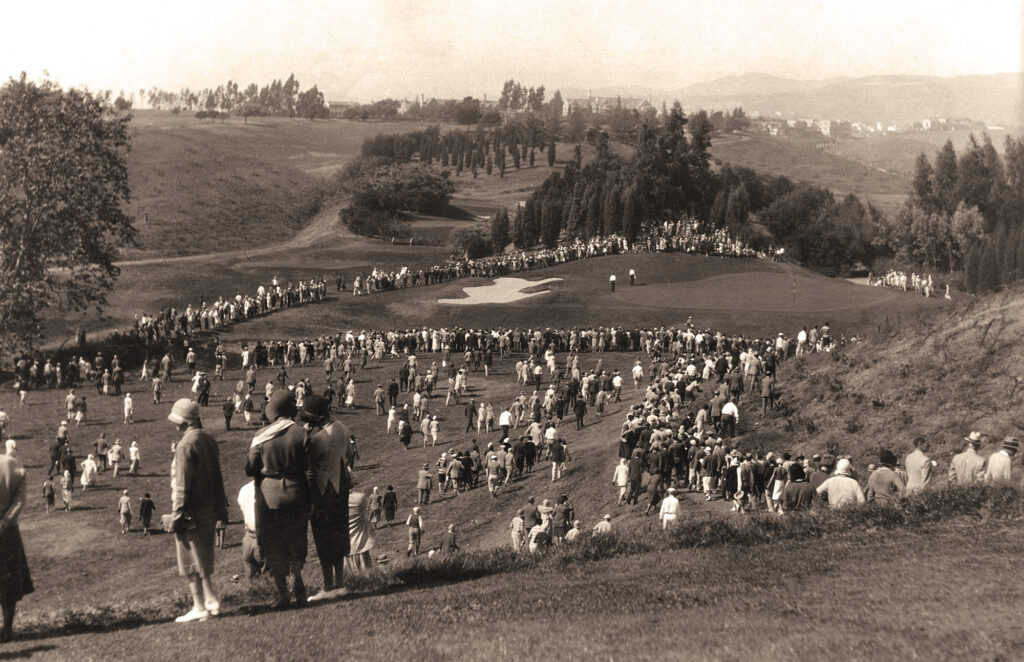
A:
[63, 195]
[500, 232]
[737, 208]
[631, 214]
[945, 187]
[551, 151]
[924, 181]
[469, 111]
[473, 243]
[966, 227]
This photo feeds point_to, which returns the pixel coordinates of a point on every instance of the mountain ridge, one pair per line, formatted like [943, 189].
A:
[993, 98]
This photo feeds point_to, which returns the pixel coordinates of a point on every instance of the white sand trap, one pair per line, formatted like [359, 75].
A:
[502, 290]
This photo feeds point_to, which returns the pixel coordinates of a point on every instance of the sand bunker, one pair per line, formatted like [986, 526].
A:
[502, 290]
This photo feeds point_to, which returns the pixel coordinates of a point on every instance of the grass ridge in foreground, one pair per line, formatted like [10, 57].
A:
[921, 512]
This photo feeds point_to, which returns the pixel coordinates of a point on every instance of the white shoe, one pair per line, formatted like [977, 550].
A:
[213, 608]
[339, 592]
[194, 615]
[320, 595]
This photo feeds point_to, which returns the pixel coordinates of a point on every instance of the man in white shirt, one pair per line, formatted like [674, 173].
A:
[669, 508]
[638, 374]
[730, 418]
[129, 410]
[611, 281]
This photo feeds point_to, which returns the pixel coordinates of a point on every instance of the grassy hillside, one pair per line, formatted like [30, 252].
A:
[207, 185]
[941, 378]
[799, 158]
[214, 185]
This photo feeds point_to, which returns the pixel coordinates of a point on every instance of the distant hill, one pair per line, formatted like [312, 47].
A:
[997, 99]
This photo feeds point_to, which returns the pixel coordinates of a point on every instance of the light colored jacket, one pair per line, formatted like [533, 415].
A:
[919, 471]
[966, 468]
[998, 467]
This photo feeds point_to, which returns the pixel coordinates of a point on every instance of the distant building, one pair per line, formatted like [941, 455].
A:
[338, 108]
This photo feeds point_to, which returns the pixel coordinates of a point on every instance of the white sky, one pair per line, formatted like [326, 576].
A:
[369, 50]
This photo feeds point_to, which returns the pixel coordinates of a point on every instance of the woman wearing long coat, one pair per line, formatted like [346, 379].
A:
[277, 463]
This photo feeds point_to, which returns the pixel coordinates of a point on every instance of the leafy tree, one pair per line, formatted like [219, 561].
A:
[551, 151]
[966, 227]
[63, 195]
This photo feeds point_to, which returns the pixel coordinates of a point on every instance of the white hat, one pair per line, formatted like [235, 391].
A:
[184, 411]
[843, 467]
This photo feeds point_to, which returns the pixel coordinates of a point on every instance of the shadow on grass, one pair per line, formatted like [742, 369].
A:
[25, 653]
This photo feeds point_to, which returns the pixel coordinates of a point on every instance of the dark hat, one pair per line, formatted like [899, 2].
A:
[315, 408]
[1011, 444]
[796, 472]
[886, 456]
[828, 460]
[280, 405]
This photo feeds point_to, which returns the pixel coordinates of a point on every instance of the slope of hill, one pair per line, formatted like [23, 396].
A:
[802, 159]
[216, 184]
[996, 98]
[898, 153]
[939, 377]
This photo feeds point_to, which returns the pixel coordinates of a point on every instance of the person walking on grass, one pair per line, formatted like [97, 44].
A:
[669, 509]
[375, 507]
[114, 456]
[146, 510]
[124, 510]
[197, 502]
[135, 458]
[518, 531]
[390, 505]
[49, 496]
[415, 526]
[67, 485]
[129, 409]
[621, 480]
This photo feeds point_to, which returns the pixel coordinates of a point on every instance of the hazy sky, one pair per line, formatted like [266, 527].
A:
[369, 50]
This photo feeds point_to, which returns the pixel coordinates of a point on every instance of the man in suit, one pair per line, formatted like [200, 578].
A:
[968, 467]
[999, 462]
[424, 483]
[919, 466]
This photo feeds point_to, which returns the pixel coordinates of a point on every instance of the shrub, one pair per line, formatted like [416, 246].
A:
[474, 242]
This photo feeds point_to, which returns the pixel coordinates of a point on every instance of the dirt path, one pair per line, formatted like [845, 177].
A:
[325, 223]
